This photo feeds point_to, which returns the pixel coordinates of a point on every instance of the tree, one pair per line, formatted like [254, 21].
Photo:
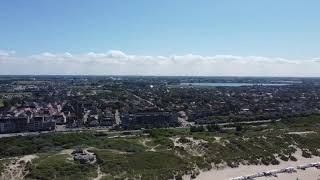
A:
[238, 127]
[6, 103]
[213, 128]
[196, 129]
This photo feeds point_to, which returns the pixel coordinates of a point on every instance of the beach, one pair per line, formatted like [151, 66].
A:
[243, 170]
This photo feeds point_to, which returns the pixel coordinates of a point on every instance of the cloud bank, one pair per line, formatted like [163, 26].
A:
[115, 62]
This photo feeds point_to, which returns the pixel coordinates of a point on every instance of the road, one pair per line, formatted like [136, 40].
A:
[85, 117]
[249, 122]
[62, 129]
[117, 117]
[141, 99]
[70, 130]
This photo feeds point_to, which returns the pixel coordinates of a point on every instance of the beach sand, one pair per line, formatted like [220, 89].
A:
[242, 170]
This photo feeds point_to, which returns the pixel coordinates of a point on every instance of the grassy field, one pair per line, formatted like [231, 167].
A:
[165, 153]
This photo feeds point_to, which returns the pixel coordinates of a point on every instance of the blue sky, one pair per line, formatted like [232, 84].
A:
[269, 28]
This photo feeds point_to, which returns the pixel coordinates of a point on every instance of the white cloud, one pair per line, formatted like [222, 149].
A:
[120, 63]
[6, 53]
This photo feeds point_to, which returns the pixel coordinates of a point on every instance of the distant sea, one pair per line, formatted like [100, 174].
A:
[232, 84]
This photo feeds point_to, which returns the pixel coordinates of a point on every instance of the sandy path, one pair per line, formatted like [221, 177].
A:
[193, 146]
[67, 151]
[150, 148]
[100, 174]
[16, 168]
[302, 133]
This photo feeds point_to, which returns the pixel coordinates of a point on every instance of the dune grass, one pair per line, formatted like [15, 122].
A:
[59, 167]
[147, 165]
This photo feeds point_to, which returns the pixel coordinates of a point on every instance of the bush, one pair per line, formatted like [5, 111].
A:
[238, 127]
[213, 128]
[275, 162]
[283, 157]
[292, 158]
[305, 154]
[196, 128]
[183, 140]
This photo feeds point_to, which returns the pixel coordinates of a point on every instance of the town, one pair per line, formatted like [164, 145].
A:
[62, 103]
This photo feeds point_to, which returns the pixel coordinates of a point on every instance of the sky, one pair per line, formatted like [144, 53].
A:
[167, 37]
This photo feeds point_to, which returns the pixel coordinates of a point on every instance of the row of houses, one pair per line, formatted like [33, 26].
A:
[149, 120]
[24, 124]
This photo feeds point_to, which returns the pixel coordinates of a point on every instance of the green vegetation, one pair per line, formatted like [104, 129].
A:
[197, 129]
[16, 146]
[213, 128]
[148, 165]
[161, 137]
[304, 122]
[1, 102]
[156, 133]
[154, 154]
[59, 167]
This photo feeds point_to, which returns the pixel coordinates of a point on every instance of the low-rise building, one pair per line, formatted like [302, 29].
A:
[149, 120]
[13, 125]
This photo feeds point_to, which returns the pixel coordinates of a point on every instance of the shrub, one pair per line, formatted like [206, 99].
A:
[283, 157]
[213, 128]
[238, 127]
[305, 154]
[196, 128]
[183, 140]
[292, 158]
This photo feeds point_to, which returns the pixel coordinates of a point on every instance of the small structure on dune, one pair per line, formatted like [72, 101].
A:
[83, 156]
